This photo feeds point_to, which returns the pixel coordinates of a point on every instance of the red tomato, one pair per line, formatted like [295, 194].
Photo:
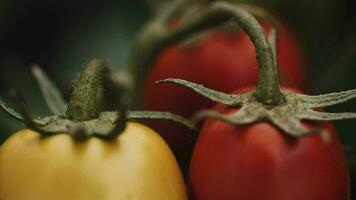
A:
[258, 161]
[220, 61]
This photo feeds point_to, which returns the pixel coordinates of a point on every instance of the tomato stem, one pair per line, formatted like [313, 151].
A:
[83, 102]
[82, 120]
[156, 37]
[267, 89]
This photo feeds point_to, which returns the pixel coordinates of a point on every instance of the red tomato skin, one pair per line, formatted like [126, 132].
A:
[258, 161]
[219, 61]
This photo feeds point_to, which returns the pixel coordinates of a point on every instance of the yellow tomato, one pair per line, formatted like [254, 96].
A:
[138, 165]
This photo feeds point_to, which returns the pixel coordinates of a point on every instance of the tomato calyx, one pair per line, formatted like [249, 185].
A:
[80, 117]
[287, 116]
[266, 102]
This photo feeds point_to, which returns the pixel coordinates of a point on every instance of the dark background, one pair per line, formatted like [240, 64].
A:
[61, 35]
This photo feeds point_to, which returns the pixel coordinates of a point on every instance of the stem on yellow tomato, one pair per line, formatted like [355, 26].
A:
[83, 102]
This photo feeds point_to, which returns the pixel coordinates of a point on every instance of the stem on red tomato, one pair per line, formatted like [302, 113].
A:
[267, 89]
[83, 102]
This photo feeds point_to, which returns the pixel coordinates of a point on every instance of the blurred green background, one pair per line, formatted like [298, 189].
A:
[61, 35]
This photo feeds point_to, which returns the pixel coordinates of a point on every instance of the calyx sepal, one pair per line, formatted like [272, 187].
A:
[81, 119]
[286, 116]
[105, 123]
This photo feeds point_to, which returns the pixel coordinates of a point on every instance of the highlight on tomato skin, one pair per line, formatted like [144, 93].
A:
[220, 60]
[259, 161]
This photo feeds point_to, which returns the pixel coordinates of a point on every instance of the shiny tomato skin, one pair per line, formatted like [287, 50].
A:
[137, 165]
[218, 60]
[258, 161]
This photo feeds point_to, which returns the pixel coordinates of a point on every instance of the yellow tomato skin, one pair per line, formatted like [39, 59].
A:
[137, 165]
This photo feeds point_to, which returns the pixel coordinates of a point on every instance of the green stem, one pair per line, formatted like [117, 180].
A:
[267, 89]
[82, 119]
[83, 102]
[151, 41]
